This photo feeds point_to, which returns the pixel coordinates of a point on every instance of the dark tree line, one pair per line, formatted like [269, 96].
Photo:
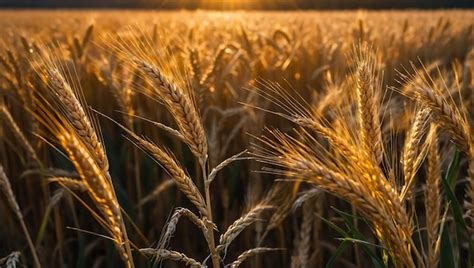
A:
[254, 4]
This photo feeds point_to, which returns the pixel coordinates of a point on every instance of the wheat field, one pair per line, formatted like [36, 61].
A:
[236, 139]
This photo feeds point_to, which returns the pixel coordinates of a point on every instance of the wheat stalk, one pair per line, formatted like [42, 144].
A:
[183, 108]
[6, 188]
[187, 117]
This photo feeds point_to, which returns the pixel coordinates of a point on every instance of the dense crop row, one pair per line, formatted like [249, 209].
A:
[300, 139]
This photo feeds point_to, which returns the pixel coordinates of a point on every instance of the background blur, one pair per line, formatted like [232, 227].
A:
[241, 4]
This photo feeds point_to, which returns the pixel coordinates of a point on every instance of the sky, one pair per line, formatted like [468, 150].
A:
[241, 4]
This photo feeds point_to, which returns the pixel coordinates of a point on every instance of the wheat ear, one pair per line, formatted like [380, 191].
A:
[184, 183]
[173, 222]
[157, 191]
[69, 183]
[182, 109]
[74, 133]
[77, 117]
[446, 116]
[249, 253]
[11, 260]
[450, 118]
[239, 225]
[100, 189]
[8, 119]
[164, 254]
[363, 188]
[433, 198]
[304, 246]
[411, 150]
[368, 106]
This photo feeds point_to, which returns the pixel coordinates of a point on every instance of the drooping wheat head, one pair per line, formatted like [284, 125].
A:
[68, 126]
[181, 108]
[381, 206]
[427, 92]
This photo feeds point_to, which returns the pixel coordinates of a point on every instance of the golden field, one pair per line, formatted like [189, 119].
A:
[227, 139]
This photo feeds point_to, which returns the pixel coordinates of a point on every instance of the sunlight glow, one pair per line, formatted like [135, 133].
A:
[241, 4]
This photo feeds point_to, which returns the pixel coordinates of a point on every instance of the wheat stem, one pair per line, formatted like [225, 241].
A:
[7, 190]
[211, 242]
